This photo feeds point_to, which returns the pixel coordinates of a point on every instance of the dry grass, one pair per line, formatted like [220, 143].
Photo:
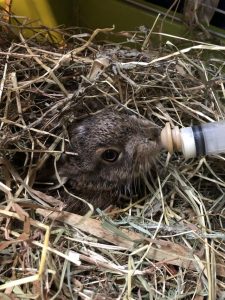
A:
[168, 245]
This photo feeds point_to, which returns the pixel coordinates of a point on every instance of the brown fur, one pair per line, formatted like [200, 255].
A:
[91, 177]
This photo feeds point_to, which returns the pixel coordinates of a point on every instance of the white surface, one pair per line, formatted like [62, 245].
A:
[214, 135]
[188, 142]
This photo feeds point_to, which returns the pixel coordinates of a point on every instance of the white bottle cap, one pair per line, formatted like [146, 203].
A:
[188, 142]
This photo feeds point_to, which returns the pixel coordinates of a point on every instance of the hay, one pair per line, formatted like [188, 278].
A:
[167, 245]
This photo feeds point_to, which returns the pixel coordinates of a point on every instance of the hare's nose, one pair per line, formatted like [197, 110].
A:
[155, 133]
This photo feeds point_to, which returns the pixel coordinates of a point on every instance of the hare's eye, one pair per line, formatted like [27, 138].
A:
[110, 155]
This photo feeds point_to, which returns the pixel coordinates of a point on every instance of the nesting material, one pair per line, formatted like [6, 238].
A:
[168, 244]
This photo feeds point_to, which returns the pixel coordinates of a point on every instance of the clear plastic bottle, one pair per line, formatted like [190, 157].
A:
[196, 140]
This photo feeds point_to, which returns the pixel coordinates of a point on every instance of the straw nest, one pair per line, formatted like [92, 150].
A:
[167, 245]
